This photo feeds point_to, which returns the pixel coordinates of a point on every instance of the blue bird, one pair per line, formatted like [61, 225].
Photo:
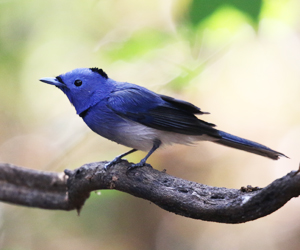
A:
[138, 118]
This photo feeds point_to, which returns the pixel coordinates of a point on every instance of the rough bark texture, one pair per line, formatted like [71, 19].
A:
[69, 190]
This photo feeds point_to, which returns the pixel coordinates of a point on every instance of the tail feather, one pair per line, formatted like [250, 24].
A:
[246, 145]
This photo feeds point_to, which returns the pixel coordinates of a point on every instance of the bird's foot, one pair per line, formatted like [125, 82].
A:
[118, 159]
[137, 165]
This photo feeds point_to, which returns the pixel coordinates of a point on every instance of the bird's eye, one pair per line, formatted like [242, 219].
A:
[78, 83]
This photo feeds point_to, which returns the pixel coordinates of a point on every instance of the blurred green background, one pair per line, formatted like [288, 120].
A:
[238, 60]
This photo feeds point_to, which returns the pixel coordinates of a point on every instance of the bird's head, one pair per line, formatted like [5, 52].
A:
[84, 86]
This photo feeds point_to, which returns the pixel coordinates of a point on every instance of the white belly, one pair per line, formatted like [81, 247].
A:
[141, 137]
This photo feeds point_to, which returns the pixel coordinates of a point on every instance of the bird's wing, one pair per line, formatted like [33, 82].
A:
[159, 112]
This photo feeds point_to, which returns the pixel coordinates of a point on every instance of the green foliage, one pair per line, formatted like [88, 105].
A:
[201, 9]
[137, 45]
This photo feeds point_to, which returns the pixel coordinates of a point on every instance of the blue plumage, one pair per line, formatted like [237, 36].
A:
[136, 117]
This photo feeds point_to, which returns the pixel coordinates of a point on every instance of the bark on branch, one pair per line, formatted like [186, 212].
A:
[69, 190]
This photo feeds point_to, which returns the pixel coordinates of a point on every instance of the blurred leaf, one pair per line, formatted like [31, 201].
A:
[182, 81]
[139, 44]
[201, 9]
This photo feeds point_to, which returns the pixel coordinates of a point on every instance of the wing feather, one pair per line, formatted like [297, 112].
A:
[160, 112]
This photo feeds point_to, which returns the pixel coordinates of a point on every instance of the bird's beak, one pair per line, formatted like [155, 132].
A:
[52, 81]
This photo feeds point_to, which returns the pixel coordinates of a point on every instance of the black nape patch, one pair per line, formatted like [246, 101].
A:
[58, 78]
[99, 71]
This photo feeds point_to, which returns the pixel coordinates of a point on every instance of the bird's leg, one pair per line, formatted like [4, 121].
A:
[118, 159]
[156, 144]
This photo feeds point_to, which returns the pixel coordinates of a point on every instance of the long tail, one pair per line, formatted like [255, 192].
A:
[246, 145]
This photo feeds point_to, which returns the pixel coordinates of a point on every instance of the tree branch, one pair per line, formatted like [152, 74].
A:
[69, 190]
